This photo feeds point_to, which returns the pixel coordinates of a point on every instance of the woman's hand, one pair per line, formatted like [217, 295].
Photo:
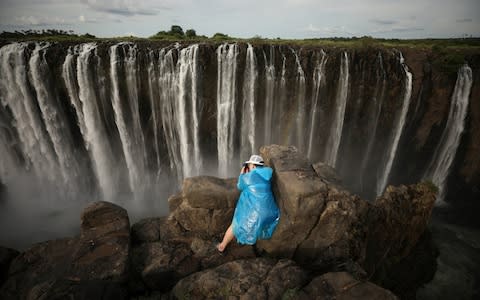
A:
[244, 170]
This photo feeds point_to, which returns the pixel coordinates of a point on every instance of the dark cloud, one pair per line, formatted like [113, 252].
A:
[407, 29]
[466, 20]
[383, 22]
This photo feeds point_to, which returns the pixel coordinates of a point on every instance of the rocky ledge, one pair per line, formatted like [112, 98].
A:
[329, 244]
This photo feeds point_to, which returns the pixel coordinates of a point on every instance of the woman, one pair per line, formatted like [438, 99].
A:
[256, 214]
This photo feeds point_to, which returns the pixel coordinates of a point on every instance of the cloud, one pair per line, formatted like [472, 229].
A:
[327, 30]
[399, 29]
[126, 8]
[466, 20]
[383, 22]
[40, 21]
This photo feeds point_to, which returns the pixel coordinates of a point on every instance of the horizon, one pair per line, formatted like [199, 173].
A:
[287, 19]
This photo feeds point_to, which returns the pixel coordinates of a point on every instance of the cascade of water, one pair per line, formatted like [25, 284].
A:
[446, 150]
[226, 99]
[85, 101]
[398, 129]
[269, 94]
[54, 120]
[128, 118]
[14, 85]
[300, 94]
[153, 83]
[167, 83]
[280, 134]
[188, 128]
[376, 109]
[318, 82]
[337, 123]
[247, 135]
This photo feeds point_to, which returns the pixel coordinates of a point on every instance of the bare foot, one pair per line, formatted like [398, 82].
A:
[221, 247]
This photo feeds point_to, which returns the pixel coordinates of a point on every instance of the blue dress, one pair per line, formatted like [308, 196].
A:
[256, 214]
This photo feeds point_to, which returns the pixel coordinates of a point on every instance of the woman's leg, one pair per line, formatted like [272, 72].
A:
[227, 238]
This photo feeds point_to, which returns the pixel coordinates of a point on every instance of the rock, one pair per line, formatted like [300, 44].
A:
[319, 224]
[155, 229]
[6, 257]
[323, 226]
[161, 265]
[63, 268]
[258, 278]
[205, 205]
[104, 243]
[343, 286]
[327, 173]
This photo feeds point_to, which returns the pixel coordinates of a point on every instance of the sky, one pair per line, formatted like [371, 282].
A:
[249, 18]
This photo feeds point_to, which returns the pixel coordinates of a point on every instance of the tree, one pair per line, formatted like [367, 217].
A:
[190, 33]
[177, 30]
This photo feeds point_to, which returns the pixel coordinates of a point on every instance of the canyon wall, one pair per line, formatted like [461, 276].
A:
[130, 120]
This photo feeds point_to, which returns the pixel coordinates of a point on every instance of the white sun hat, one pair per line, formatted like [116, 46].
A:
[256, 160]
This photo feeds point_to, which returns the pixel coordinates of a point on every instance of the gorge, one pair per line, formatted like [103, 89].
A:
[127, 122]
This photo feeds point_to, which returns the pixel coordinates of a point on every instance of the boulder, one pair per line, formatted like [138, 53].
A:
[319, 224]
[325, 227]
[205, 205]
[64, 268]
[343, 286]
[257, 278]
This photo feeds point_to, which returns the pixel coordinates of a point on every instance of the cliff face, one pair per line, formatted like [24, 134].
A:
[123, 118]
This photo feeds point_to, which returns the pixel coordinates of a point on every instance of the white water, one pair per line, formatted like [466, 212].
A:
[377, 100]
[446, 150]
[300, 114]
[153, 83]
[127, 118]
[88, 114]
[187, 111]
[35, 142]
[398, 129]
[54, 120]
[318, 83]
[226, 100]
[337, 124]
[247, 134]
[269, 95]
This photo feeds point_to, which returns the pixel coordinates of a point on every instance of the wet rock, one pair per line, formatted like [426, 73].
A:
[343, 286]
[97, 258]
[258, 278]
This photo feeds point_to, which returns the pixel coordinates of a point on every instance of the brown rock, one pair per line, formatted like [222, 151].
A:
[257, 278]
[205, 205]
[63, 268]
[342, 286]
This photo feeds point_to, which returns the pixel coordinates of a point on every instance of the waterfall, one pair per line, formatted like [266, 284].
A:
[269, 94]
[226, 101]
[127, 117]
[153, 83]
[54, 119]
[278, 131]
[398, 129]
[81, 87]
[444, 156]
[247, 134]
[14, 85]
[300, 114]
[167, 87]
[318, 82]
[180, 109]
[188, 115]
[337, 124]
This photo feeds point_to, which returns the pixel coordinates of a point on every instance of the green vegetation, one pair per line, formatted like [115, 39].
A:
[440, 48]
